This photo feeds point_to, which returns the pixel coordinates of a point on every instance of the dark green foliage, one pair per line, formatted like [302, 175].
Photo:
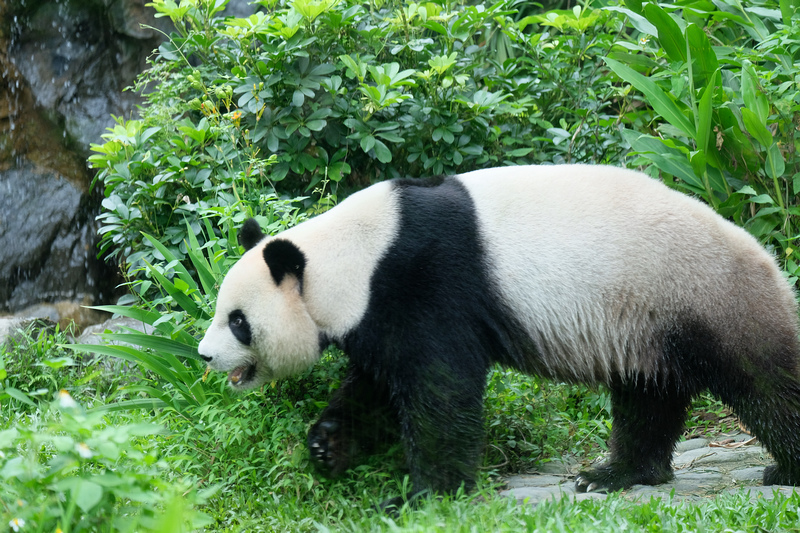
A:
[529, 419]
[726, 107]
[318, 97]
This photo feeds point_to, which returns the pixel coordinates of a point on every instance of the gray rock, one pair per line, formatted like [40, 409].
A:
[691, 444]
[12, 328]
[714, 456]
[748, 475]
[534, 495]
[558, 467]
[764, 492]
[536, 480]
[701, 472]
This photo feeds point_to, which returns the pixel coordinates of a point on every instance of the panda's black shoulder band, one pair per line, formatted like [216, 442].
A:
[283, 258]
[250, 234]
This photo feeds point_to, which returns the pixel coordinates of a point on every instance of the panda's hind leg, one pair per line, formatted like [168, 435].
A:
[647, 422]
[356, 422]
[768, 404]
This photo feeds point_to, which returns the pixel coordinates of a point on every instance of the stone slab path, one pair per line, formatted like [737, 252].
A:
[703, 469]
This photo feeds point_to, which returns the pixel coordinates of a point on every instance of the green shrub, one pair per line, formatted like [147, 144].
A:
[306, 99]
[530, 419]
[722, 85]
[35, 364]
[66, 470]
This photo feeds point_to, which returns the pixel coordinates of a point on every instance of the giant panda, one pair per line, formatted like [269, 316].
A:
[586, 274]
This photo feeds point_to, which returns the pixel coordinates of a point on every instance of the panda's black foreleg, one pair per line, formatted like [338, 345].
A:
[440, 408]
[647, 421]
[356, 422]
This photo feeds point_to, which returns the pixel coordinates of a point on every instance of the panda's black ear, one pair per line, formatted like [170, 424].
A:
[283, 258]
[250, 234]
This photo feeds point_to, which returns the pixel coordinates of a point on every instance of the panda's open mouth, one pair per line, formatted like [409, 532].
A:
[242, 375]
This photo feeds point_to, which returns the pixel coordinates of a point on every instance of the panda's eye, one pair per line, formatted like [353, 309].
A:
[237, 322]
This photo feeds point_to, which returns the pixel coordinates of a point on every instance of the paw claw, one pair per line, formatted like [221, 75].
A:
[329, 447]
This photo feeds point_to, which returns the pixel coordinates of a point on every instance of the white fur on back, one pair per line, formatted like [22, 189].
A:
[592, 260]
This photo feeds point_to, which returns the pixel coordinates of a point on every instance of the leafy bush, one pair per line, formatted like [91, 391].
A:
[722, 86]
[316, 98]
[34, 363]
[66, 470]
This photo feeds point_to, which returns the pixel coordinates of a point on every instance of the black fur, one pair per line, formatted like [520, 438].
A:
[240, 327]
[431, 330]
[284, 258]
[250, 234]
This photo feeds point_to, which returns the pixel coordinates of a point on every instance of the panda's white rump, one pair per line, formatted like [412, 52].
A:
[597, 262]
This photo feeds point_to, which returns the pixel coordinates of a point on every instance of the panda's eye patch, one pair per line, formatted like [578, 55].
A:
[240, 327]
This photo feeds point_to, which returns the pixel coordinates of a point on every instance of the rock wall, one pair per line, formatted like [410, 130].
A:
[65, 65]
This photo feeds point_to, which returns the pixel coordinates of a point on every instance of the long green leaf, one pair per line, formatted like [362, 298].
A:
[180, 270]
[149, 361]
[657, 98]
[150, 318]
[128, 405]
[788, 9]
[201, 265]
[756, 128]
[145, 317]
[753, 98]
[775, 165]
[704, 60]
[182, 299]
[705, 133]
[670, 35]
[155, 342]
[18, 395]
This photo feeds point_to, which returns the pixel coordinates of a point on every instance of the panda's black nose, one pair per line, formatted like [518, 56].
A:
[206, 358]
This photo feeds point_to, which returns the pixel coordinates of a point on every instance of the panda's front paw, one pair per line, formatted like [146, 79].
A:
[331, 450]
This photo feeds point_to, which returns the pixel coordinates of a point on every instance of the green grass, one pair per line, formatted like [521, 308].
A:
[241, 464]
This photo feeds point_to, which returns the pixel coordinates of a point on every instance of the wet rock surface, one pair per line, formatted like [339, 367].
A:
[703, 469]
[65, 65]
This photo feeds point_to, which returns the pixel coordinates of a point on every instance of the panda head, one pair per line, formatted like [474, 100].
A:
[261, 330]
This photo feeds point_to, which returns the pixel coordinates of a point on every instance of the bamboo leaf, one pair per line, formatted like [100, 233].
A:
[704, 117]
[657, 98]
[754, 99]
[670, 35]
[180, 270]
[18, 395]
[128, 405]
[156, 342]
[775, 166]
[704, 60]
[756, 128]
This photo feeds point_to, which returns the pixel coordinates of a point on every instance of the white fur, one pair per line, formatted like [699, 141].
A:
[342, 249]
[593, 259]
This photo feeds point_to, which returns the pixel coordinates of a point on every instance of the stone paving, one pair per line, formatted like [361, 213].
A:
[703, 469]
